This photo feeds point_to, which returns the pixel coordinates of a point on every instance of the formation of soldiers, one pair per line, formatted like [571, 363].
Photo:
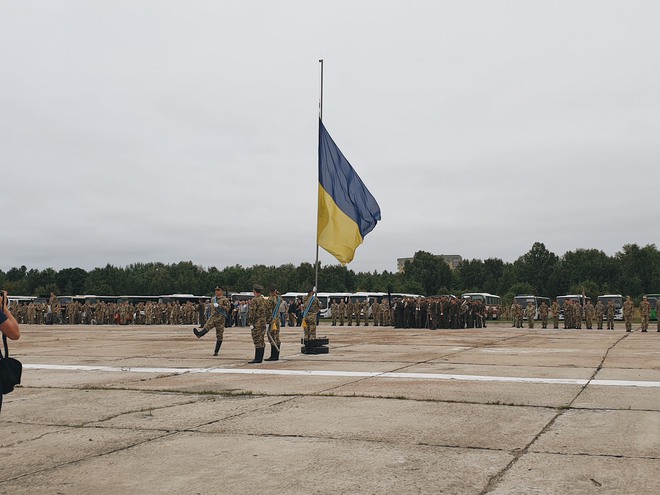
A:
[413, 312]
[575, 314]
[102, 313]
[443, 312]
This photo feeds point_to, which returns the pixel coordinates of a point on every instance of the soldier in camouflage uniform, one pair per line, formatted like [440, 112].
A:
[219, 310]
[365, 309]
[342, 312]
[357, 306]
[334, 311]
[610, 315]
[543, 313]
[311, 306]
[600, 311]
[350, 309]
[645, 313]
[530, 312]
[628, 310]
[257, 318]
[375, 312]
[273, 321]
[588, 314]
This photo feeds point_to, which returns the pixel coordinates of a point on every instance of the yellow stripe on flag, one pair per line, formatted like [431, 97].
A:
[337, 232]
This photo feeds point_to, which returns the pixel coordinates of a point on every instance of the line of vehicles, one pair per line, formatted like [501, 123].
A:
[491, 302]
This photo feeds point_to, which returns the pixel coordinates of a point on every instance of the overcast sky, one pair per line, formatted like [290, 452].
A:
[143, 131]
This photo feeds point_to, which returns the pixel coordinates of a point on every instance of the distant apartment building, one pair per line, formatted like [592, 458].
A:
[453, 260]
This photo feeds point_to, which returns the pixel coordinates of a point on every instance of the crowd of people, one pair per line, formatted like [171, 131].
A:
[440, 312]
[413, 312]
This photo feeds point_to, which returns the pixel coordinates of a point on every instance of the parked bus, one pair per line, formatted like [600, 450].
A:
[523, 299]
[617, 299]
[327, 298]
[241, 296]
[578, 298]
[653, 298]
[492, 303]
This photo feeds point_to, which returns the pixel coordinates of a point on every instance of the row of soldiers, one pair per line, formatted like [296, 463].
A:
[102, 313]
[574, 314]
[411, 312]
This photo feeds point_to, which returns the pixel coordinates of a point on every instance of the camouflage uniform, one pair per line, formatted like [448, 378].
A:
[543, 313]
[531, 314]
[310, 318]
[610, 315]
[628, 309]
[257, 318]
[588, 314]
[220, 306]
[600, 311]
[350, 309]
[341, 308]
[334, 312]
[273, 320]
[644, 313]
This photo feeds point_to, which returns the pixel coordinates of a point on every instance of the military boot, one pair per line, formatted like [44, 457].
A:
[199, 334]
[274, 354]
[218, 343]
[258, 355]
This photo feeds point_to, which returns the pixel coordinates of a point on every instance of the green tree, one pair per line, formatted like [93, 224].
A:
[535, 268]
[427, 273]
[470, 276]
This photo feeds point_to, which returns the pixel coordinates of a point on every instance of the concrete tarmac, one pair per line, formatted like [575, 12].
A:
[149, 410]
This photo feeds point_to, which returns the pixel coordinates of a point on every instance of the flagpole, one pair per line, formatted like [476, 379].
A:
[318, 181]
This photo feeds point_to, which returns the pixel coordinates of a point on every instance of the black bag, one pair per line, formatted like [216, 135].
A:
[10, 370]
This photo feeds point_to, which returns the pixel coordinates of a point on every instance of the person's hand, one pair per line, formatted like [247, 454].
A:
[216, 304]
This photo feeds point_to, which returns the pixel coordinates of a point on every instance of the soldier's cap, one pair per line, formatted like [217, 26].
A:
[272, 289]
[217, 287]
[258, 288]
[310, 289]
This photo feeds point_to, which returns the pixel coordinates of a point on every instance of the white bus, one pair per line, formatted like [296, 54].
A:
[617, 299]
[492, 303]
[327, 298]
[523, 299]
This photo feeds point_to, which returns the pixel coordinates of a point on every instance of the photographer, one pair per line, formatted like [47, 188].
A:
[8, 325]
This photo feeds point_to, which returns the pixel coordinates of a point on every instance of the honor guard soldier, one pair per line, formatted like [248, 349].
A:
[272, 312]
[219, 310]
[257, 318]
[311, 307]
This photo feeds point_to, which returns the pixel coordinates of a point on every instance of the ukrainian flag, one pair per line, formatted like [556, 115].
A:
[347, 210]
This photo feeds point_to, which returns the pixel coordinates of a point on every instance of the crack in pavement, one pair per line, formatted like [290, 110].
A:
[495, 480]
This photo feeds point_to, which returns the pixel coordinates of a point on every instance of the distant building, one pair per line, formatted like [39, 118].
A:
[453, 260]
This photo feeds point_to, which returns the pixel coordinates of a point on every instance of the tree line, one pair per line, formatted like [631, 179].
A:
[632, 271]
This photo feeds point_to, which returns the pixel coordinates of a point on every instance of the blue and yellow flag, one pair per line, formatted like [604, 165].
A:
[347, 210]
